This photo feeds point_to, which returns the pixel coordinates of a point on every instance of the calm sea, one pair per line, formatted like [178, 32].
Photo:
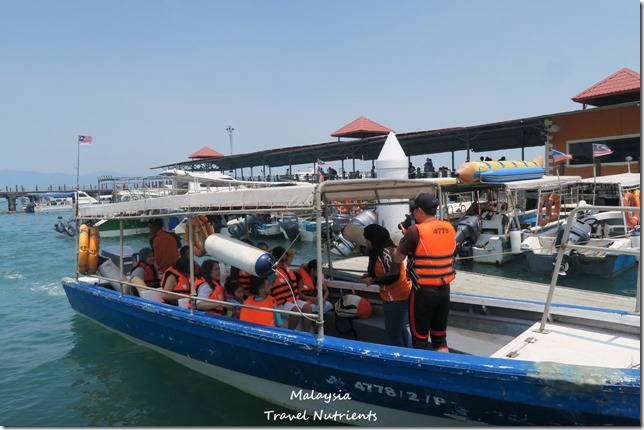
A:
[61, 369]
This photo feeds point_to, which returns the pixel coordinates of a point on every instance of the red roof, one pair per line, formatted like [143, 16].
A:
[205, 152]
[360, 128]
[621, 86]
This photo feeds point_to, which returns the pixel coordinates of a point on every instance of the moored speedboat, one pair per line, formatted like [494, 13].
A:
[525, 377]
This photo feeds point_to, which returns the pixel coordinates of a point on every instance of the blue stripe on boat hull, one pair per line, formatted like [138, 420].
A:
[433, 385]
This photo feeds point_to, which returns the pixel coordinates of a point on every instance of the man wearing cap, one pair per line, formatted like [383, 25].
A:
[430, 246]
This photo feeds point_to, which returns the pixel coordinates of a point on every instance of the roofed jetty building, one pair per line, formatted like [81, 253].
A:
[610, 115]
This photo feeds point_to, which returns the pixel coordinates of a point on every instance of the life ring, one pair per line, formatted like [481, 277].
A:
[201, 229]
[83, 249]
[552, 206]
[632, 200]
[94, 240]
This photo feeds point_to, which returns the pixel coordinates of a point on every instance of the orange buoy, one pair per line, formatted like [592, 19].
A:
[632, 200]
[92, 261]
[83, 249]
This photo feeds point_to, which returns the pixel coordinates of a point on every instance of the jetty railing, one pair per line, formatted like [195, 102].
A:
[565, 245]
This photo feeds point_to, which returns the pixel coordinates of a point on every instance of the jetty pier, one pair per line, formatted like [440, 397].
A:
[21, 193]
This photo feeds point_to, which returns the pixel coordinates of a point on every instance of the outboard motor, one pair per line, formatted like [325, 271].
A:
[237, 229]
[468, 230]
[579, 233]
[60, 226]
[339, 221]
[290, 224]
[344, 245]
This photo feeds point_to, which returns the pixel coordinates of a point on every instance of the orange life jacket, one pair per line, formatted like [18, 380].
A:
[183, 282]
[433, 262]
[216, 294]
[243, 278]
[308, 286]
[396, 291]
[281, 289]
[256, 315]
[150, 278]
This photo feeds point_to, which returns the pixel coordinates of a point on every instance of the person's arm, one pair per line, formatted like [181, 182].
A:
[407, 243]
[170, 282]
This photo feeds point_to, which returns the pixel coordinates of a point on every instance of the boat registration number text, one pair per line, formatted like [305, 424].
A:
[402, 394]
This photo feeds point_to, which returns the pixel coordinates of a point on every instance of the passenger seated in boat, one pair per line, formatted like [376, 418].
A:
[233, 293]
[285, 290]
[260, 290]
[165, 246]
[176, 278]
[263, 246]
[184, 253]
[307, 284]
[208, 287]
[144, 272]
[393, 282]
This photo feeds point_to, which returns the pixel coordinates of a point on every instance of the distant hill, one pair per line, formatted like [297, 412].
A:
[29, 180]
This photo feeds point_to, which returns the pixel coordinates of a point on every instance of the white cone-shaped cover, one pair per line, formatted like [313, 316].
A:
[392, 163]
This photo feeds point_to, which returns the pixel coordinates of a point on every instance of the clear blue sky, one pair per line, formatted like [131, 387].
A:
[154, 81]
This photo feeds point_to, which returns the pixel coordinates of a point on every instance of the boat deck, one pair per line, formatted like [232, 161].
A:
[574, 345]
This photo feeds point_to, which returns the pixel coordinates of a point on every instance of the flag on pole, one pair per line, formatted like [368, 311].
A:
[600, 149]
[321, 163]
[559, 157]
[84, 140]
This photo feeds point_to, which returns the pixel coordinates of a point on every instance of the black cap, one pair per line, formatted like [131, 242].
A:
[425, 201]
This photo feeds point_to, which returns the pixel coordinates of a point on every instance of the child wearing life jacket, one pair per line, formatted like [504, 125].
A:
[234, 293]
[260, 290]
[307, 284]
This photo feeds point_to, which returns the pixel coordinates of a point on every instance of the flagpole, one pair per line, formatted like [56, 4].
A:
[594, 178]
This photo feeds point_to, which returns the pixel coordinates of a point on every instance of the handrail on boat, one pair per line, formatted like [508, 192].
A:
[565, 245]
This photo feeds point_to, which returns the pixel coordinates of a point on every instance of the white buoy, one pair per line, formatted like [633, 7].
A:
[239, 254]
[392, 163]
[515, 240]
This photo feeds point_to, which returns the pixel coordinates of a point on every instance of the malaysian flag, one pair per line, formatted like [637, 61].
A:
[600, 149]
[559, 157]
[84, 140]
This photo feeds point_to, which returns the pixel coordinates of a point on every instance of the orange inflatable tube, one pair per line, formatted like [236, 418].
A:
[83, 249]
[94, 241]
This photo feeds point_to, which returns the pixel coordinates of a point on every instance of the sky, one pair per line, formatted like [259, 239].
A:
[155, 80]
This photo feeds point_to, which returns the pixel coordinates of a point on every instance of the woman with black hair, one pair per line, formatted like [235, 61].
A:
[208, 287]
[393, 282]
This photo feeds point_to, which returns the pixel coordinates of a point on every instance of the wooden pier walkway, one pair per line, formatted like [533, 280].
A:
[499, 287]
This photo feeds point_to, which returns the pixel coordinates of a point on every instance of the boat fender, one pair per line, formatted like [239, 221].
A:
[92, 260]
[201, 229]
[515, 240]
[632, 200]
[83, 249]
[353, 306]
[239, 254]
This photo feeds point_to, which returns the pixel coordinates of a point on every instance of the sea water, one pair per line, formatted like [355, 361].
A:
[59, 368]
